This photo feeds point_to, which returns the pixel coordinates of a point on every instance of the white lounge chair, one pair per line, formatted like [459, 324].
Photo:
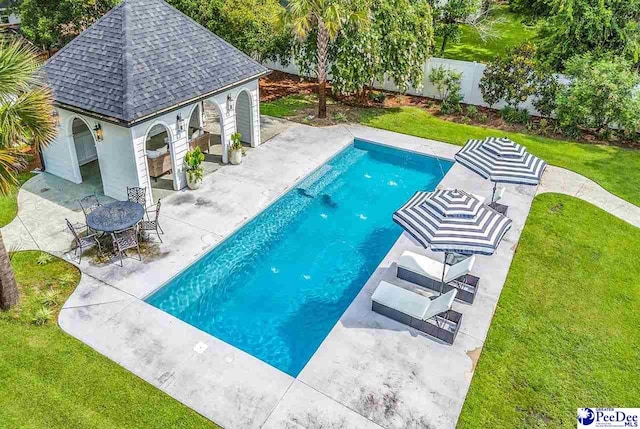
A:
[427, 272]
[433, 317]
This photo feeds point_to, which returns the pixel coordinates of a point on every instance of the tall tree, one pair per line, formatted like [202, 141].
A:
[50, 24]
[578, 27]
[25, 118]
[449, 15]
[250, 25]
[397, 42]
[324, 20]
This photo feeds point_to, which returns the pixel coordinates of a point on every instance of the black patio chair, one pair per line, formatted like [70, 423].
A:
[81, 242]
[88, 204]
[152, 225]
[137, 195]
[124, 240]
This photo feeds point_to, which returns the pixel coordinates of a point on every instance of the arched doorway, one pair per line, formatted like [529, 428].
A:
[159, 162]
[212, 124]
[87, 154]
[244, 118]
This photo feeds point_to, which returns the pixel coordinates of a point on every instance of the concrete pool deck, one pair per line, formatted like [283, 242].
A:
[369, 372]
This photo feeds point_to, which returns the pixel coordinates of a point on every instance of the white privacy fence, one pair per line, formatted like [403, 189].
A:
[471, 74]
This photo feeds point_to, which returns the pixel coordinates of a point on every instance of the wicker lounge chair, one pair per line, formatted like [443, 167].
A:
[427, 272]
[82, 243]
[125, 240]
[433, 317]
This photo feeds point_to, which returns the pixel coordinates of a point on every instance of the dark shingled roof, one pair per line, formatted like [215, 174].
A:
[143, 57]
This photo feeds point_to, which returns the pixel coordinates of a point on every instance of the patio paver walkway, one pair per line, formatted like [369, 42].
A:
[556, 179]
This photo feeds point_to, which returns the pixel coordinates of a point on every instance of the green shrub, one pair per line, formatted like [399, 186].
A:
[339, 117]
[448, 84]
[377, 96]
[66, 279]
[602, 94]
[192, 161]
[50, 298]
[482, 118]
[42, 316]
[44, 259]
[472, 111]
[513, 115]
[512, 78]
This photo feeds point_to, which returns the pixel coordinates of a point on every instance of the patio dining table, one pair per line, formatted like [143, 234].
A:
[115, 216]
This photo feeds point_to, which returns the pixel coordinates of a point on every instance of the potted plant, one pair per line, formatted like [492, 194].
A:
[236, 150]
[192, 161]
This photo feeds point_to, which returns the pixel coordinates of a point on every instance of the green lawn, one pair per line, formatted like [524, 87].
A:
[565, 333]
[614, 168]
[51, 380]
[9, 202]
[286, 106]
[511, 31]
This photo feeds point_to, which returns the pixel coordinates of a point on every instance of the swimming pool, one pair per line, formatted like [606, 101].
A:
[277, 286]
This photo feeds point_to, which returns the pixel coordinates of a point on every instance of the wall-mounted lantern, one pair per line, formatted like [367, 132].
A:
[55, 117]
[179, 123]
[98, 132]
[229, 104]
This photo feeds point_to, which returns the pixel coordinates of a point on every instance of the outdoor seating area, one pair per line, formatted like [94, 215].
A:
[118, 225]
[460, 225]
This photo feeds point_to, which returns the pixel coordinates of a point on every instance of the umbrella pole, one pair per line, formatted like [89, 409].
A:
[444, 268]
[493, 194]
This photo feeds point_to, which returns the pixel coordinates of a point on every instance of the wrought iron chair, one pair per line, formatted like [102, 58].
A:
[124, 240]
[152, 225]
[83, 243]
[88, 204]
[137, 195]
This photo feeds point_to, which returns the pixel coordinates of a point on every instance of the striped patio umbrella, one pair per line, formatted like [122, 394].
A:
[452, 221]
[501, 161]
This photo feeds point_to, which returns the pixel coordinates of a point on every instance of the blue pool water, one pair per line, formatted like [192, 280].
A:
[277, 286]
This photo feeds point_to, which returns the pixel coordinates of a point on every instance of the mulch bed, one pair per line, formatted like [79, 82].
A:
[279, 84]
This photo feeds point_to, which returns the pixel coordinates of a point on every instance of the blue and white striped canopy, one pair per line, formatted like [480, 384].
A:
[478, 231]
[502, 161]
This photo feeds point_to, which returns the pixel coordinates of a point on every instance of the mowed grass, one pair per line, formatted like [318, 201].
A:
[51, 380]
[509, 30]
[565, 333]
[286, 106]
[615, 169]
[9, 201]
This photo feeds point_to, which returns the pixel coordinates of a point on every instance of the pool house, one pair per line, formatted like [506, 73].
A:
[138, 89]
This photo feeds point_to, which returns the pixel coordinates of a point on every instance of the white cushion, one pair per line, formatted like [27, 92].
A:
[499, 195]
[440, 304]
[432, 269]
[460, 269]
[162, 150]
[400, 299]
[153, 154]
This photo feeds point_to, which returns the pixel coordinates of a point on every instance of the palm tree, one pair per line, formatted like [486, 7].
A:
[327, 18]
[26, 117]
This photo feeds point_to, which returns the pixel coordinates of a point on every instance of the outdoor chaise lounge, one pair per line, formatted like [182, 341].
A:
[427, 272]
[433, 317]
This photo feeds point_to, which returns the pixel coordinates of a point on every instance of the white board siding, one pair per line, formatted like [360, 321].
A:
[122, 155]
[117, 162]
